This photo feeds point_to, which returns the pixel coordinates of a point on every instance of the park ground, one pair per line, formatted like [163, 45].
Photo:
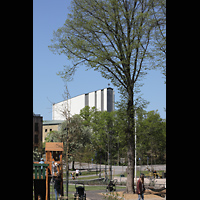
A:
[98, 192]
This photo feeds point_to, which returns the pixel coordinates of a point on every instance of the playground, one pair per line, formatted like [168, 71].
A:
[89, 184]
[46, 172]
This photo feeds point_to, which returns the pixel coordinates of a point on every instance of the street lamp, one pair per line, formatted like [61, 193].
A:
[135, 149]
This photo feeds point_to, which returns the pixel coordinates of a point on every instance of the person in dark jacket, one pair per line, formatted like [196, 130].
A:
[140, 187]
[57, 185]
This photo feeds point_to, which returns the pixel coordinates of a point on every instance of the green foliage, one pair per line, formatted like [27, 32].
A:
[103, 136]
[151, 136]
[112, 37]
[93, 134]
[108, 133]
[159, 35]
[53, 136]
[78, 134]
[86, 114]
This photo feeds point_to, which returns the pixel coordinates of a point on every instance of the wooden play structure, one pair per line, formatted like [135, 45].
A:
[51, 168]
[41, 181]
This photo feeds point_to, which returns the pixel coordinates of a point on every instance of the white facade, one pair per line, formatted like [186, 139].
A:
[103, 100]
[92, 99]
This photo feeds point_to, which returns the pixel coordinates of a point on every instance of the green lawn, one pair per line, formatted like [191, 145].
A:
[86, 178]
[87, 188]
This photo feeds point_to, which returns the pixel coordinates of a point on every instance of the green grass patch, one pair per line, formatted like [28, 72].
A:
[87, 178]
[72, 190]
[85, 173]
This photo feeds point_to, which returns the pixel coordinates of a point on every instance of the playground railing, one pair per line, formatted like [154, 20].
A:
[39, 170]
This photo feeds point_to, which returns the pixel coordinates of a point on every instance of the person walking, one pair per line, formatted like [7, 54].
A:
[140, 187]
[57, 185]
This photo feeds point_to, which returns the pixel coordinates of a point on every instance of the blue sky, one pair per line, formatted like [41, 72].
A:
[48, 88]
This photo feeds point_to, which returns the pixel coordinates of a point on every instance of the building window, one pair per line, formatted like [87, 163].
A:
[110, 100]
[45, 130]
[102, 100]
[36, 139]
[36, 126]
[50, 129]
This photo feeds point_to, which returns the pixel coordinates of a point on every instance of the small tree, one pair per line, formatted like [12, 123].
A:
[78, 134]
[36, 155]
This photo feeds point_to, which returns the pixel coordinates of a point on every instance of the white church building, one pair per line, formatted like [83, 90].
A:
[103, 100]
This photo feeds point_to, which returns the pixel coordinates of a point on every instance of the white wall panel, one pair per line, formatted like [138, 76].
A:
[92, 99]
[74, 105]
[105, 99]
[77, 103]
[99, 100]
[58, 111]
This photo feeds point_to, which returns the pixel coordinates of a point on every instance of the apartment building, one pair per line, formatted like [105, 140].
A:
[37, 130]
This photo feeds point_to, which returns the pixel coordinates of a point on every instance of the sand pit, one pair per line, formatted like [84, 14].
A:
[150, 195]
[135, 196]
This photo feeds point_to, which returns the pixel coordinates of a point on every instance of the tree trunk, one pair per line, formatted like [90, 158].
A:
[130, 170]
[73, 165]
[131, 145]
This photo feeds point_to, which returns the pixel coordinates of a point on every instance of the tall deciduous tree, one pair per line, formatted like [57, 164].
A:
[112, 37]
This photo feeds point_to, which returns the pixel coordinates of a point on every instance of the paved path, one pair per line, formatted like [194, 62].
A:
[158, 181]
[117, 169]
[95, 195]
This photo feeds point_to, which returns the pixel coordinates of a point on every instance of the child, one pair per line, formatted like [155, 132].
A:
[73, 176]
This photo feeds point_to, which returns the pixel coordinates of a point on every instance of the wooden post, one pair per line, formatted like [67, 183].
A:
[61, 167]
[46, 183]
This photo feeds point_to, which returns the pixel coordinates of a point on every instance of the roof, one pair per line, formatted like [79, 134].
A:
[82, 94]
[36, 115]
[54, 146]
[53, 122]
